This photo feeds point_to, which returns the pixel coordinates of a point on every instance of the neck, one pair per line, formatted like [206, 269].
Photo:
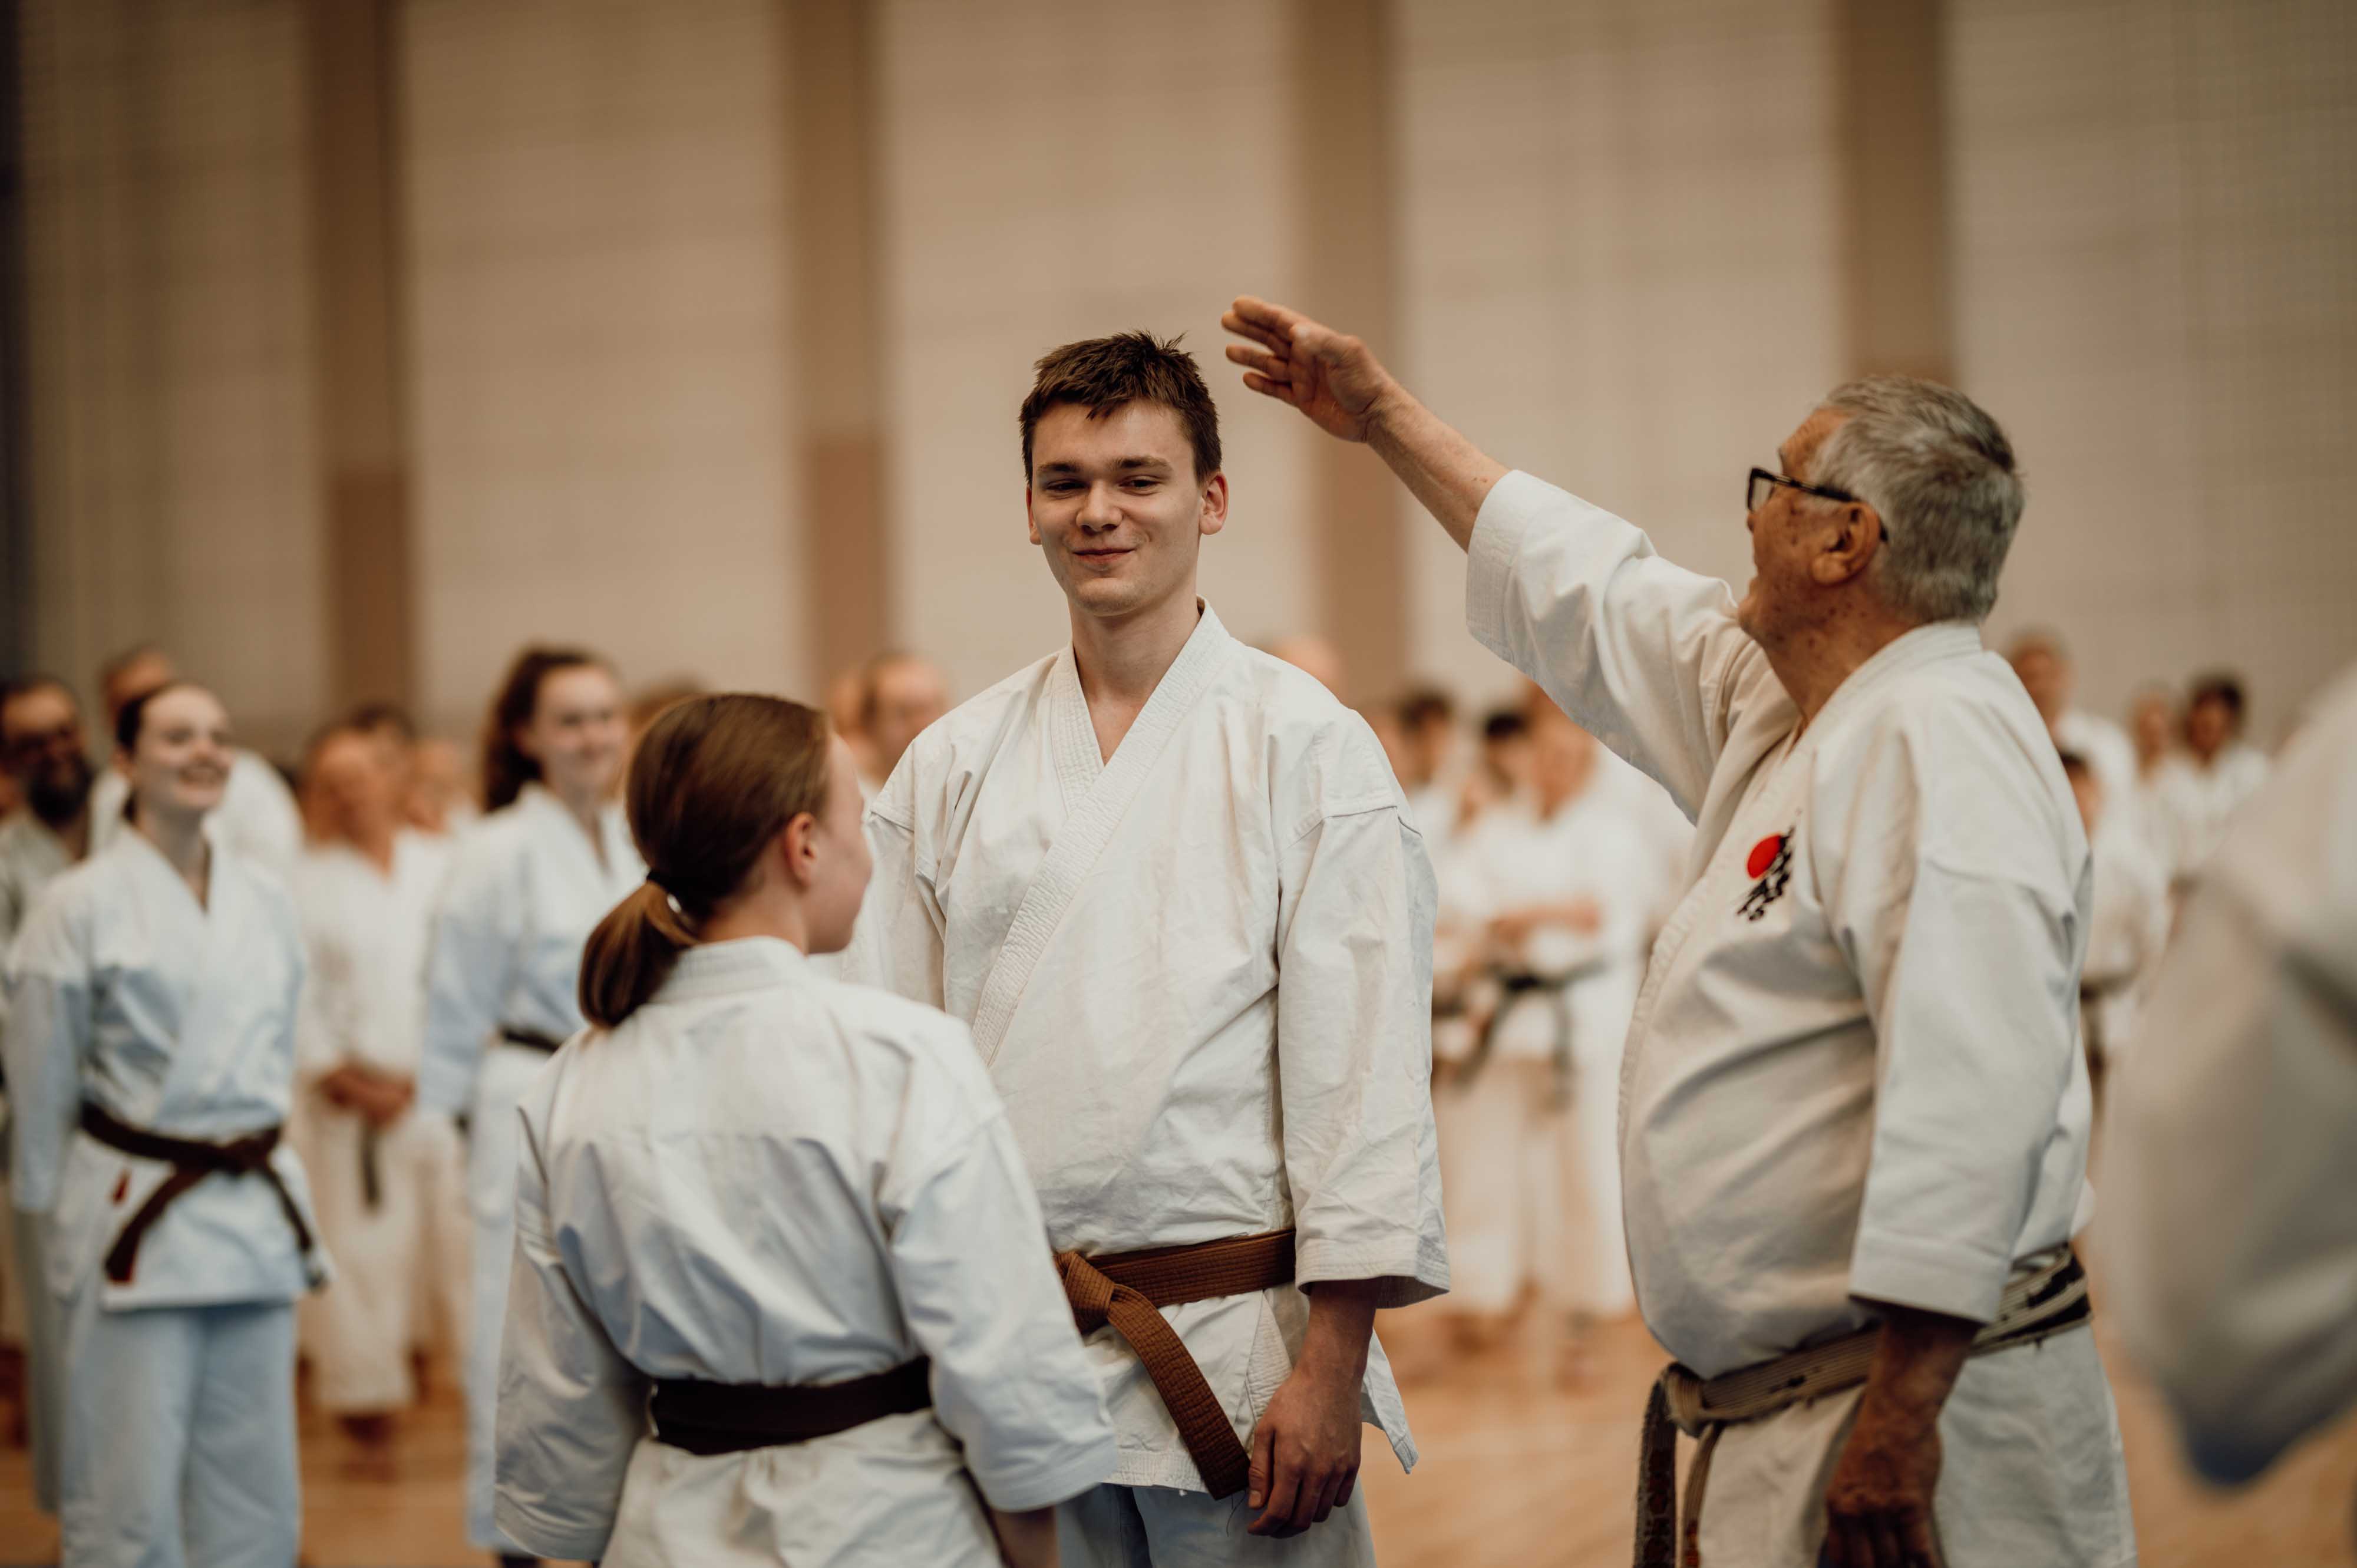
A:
[774, 914]
[375, 844]
[180, 840]
[1814, 662]
[583, 809]
[1123, 660]
[74, 832]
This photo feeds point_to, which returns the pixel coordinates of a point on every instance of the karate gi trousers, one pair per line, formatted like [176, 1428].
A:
[178, 1447]
[1162, 1527]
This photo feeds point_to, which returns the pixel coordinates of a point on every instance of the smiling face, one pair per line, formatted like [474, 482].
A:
[179, 763]
[577, 732]
[1117, 508]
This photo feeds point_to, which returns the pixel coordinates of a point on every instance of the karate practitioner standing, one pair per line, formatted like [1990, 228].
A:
[1174, 887]
[788, 1210]
[531, 880]
[150, 1052]
[387, 1181]
[1854, 1110]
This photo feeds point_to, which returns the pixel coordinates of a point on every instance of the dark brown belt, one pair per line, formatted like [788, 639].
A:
[191, 1160]
[1124, 1289]
[530, 1039]
[736, 1418]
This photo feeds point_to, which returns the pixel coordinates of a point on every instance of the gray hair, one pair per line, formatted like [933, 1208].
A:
[1940, 471]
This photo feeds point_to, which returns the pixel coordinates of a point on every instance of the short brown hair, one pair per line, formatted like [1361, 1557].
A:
[714, 782]
[1102, 374]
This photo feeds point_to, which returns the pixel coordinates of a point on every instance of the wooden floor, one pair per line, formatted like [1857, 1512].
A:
[1516, 1471]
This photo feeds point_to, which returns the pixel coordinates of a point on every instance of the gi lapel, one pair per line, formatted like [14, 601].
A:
[1096, 806]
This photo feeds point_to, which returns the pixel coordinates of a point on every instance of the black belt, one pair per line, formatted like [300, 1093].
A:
[736, 1418]
[191, 1160]
[530, 1039]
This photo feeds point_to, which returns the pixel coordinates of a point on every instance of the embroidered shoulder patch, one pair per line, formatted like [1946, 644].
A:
[1770, 865]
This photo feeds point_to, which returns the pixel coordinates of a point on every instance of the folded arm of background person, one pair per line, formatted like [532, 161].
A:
[2230, 1178]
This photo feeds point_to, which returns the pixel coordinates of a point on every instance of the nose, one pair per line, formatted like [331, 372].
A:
[1098, 511]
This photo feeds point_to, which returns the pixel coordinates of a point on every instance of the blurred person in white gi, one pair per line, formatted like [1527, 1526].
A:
[150, 1047]
[1855, 1108]
[1529, 1158]
[1105, 863]
[2129, 929]
[779, 1288]
[2154, 729]
[2045, 668]
[530, 882]
[1427, 718]
[2206, 783]
[901, 696]
[44, 754]
[388, 1185]
[2235, 1271]
[257, 816]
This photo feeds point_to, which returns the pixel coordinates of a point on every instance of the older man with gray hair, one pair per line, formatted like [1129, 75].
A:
[1854, 1112]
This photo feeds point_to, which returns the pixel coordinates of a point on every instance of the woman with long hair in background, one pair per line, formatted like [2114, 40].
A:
[788, 1210]
[153, 996]
[550, 857]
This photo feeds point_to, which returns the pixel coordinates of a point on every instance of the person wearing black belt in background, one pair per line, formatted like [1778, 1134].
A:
[779, 1292]
[529, 882]
[150, 1047]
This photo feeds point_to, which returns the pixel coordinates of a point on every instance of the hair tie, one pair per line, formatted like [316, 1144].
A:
[655, 881]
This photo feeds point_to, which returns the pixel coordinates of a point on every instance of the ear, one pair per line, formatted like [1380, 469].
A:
[1215, 505]
[1852, 536]
[1029, 525]
[797, 850]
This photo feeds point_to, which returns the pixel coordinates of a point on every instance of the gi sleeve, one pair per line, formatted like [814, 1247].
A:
[1644, 654]
[1968, 959]
[896, 944]
[2231, 1147]
[1354, 1050]
[571, 1410]
[969, 1255]
[46, 1041]
[469, 970]
[325, 1029]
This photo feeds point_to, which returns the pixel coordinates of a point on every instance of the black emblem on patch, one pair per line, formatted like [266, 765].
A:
[1771, 862]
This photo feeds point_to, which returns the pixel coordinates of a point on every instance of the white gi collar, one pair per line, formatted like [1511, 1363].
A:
[1924, 645]
[746, 963]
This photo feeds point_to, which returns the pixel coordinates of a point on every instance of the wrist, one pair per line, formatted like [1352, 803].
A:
[1392, 406]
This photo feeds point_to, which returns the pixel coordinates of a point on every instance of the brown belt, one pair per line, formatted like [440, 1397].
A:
[736, 1418]
[191, 1160]
[1124, 1289]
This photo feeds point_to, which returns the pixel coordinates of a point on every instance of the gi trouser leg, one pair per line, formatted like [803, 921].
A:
[1161, 1526]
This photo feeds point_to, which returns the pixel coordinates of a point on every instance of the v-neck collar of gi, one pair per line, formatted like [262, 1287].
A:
[744, 963]
[132, 841]
[539, 798]
[1079, 763]
[1912, 650]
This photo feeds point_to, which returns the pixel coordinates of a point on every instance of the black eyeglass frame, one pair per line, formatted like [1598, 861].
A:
[1754, 498]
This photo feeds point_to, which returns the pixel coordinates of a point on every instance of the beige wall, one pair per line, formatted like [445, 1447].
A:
[598, 388]
[171, 417]
[2157, 287]
[1619, 268]
[1039, 187]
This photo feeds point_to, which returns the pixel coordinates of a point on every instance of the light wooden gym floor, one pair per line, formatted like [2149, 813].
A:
[1516, 1471]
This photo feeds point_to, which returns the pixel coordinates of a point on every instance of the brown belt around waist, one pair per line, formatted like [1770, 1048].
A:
[735, 1418]
[1124, 1289]
[530, 1039]
[191, 1160]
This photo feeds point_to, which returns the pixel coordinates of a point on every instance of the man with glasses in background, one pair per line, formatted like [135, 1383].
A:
[1854, 1110]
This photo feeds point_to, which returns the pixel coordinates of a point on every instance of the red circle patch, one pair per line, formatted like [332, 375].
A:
[1763, 854]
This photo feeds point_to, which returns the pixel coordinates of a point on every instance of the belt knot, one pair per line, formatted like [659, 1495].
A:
[1091, 1293]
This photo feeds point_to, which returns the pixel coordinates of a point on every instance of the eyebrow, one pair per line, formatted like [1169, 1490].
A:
[1127, 464]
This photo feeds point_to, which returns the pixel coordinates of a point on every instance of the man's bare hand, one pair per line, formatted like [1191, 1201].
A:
[1878, 1503]
[1305, 1451]
[1331, 378]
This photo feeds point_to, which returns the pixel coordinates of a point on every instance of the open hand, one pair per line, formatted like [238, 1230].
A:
[1330, 376]
[1878, 1503]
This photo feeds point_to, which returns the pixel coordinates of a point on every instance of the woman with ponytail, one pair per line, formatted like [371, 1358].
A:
[503, 967]
[780, 1293]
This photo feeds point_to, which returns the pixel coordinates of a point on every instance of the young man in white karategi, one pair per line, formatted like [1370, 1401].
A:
[1174, 887]
[1854, 1107]
[388, 1181]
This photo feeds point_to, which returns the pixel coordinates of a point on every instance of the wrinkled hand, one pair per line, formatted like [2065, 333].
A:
[1305, 1451]
[1878, 1503]
[1328, 376]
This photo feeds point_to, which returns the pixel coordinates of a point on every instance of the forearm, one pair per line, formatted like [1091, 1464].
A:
[1447, 474]
[1341, 1323]
[1027, 1538]
[1916, 1362]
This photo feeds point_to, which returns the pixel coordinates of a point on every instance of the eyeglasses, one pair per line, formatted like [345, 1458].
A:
[1755, 493]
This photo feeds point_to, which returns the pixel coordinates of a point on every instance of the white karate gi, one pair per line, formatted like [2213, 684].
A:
[1855, 1070]
[257, 817]
[401, 1260]
[2105, 747]
[2125, 938]
[525, 890]
[2230, 1160]
[2201, 801]
[31, 857]
[178, 1437]
[1115, 931]
[766, 1176]
[1533, 1183]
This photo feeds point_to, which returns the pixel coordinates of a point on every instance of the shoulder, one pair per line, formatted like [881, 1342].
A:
[1323, 758]
[929, 1040]
[490, 847]
[956, 748]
